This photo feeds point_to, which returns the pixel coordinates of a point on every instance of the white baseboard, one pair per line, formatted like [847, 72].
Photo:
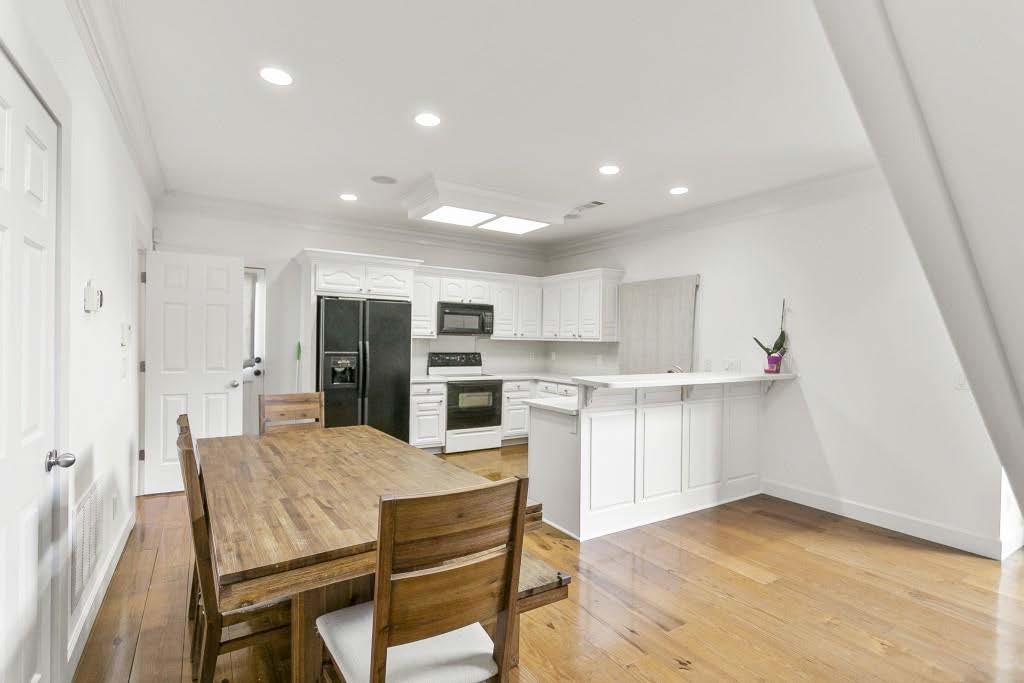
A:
[887, 519]
[1012, 542]
[555, 526]
[81, 630]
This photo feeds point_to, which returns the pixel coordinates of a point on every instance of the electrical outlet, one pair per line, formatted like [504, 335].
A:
[732, 365]
[551, 356]
[533, 355]
[598, 359]
[113, 507]
[707, 365]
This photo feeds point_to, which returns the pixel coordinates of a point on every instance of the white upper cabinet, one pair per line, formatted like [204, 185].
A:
[569, 310]
[551, 311]
[503, 297]
[347, 278]
[389, 281]
[465, 291]
[590, 309]
[528, 309]
[425, 291]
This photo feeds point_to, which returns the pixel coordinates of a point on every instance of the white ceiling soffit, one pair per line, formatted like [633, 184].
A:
[100, 29]
[433, 193]
[728, 98]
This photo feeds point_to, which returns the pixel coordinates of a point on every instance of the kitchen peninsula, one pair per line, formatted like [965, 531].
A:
[634, 449]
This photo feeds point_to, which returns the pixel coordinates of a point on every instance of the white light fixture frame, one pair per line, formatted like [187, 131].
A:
[433, 193]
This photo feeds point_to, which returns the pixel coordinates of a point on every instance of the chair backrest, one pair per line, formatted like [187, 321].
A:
[445, 561]
[185, 428]
[196, 503]
[285, 412]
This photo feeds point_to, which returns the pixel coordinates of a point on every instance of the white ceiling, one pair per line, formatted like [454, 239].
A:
[727, 97]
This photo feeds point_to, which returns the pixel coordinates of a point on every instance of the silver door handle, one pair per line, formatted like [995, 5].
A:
[234, 383]
[61, 460]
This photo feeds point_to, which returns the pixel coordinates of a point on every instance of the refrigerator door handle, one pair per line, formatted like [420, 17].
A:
[366, 377]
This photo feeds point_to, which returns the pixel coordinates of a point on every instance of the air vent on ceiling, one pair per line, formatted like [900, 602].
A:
[577, 211]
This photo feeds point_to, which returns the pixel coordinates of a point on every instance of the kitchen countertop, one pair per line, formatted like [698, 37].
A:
[504, 376]
[567, 406]
[676, 379]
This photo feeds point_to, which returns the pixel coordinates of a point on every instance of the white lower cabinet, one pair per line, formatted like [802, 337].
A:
[611, 435]
[515, 415]
[427, 420]
[659, 437]
[702, 442]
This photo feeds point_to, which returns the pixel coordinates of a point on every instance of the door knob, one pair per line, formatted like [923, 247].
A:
[234, 383]
[61, 460]
[257, 372]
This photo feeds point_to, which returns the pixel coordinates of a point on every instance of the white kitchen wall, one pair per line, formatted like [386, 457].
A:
[574, 358]
[880, 424]
[273, 245]
[110, 218]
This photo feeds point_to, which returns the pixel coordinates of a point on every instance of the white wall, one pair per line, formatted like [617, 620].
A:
[110, 216]
[876, 426]
[269, 244]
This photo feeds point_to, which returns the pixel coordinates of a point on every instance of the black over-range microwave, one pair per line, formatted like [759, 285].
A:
[465, 318]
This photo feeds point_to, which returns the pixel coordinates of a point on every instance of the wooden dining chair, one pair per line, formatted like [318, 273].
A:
[285, 412]
[265, 623]
[445, 563]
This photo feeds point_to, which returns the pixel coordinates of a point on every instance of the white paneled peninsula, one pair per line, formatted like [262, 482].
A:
[634, 449]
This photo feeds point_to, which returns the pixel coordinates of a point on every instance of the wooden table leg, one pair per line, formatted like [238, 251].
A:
[307, 648]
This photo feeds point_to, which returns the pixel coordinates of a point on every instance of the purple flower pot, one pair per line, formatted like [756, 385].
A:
[774, 364]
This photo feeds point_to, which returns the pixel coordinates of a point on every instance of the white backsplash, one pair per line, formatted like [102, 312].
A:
[523, 356]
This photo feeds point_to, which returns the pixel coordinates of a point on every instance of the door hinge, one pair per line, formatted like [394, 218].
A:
[142, 277]
[142, 454]
[142, 366]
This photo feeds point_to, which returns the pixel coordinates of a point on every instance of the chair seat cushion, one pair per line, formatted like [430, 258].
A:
[461, 656]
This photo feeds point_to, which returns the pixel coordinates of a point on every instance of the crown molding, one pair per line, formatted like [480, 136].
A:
[101, 30]
[242, 211]
[784, 198]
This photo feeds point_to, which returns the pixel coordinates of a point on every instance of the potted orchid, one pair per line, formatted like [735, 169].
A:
[778, 349]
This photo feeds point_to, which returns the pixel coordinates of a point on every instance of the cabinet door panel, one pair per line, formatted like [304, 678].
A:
[387, 281]
[424, 306]
[551, 311]
[590, 309]
[569, 311]
[741, 444]
[427, 426]
[503, 296]
[528, 311]
[453, 289]
[703, 439]
[661, 442]
[342, 279]
[612, 458]
[478, 291]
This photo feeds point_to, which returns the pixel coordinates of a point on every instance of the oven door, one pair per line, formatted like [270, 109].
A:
[474, 404]
[465, 319]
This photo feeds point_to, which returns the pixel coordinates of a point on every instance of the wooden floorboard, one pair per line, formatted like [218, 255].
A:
[759, 589]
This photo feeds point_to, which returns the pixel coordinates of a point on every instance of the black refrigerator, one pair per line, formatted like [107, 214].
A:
[363, 359]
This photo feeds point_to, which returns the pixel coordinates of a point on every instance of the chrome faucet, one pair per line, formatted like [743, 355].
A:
[676, 368]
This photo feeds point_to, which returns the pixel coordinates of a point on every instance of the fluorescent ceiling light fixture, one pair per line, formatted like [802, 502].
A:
[457, 216]
[427, 119]
[516, 226]
[347, 197]
[609, 169]
[271, 74]
[679, 190]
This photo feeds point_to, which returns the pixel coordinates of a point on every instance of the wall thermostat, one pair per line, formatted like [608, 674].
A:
[93, 299]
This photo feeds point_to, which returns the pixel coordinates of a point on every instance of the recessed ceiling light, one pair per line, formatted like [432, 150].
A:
[457, 216]
[271, 74]
[383, 180]
[609, 169]
[679, 190]
[347, 197]
[427, 119]
[516, 226]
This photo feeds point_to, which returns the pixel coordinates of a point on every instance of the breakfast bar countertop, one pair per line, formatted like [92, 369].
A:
[677, 379]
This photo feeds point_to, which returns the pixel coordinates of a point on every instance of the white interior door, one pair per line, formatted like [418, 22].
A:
[193, 355]
[28, 232]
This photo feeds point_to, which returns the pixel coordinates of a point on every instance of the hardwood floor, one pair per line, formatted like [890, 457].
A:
[756, 589]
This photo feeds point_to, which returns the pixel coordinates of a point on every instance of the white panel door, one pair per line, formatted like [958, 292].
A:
[28, 232]
[569, 311]
[742, 456]
[660, 442]
[551, 310]
[702, 439]
[590, 309]
[424, 306]
[193, 355]
[612, 441]
[503, 296]
[528, 307]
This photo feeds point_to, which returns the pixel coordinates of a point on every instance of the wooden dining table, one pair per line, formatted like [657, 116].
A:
[294, 515]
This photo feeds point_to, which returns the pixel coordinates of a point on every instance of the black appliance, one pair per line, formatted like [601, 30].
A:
[465, 318]
[474, 403]
[363, 363]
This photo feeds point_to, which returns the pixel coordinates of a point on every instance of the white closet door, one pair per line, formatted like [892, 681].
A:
[193, 355]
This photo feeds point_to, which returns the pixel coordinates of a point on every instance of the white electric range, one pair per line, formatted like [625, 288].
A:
[474, 401]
